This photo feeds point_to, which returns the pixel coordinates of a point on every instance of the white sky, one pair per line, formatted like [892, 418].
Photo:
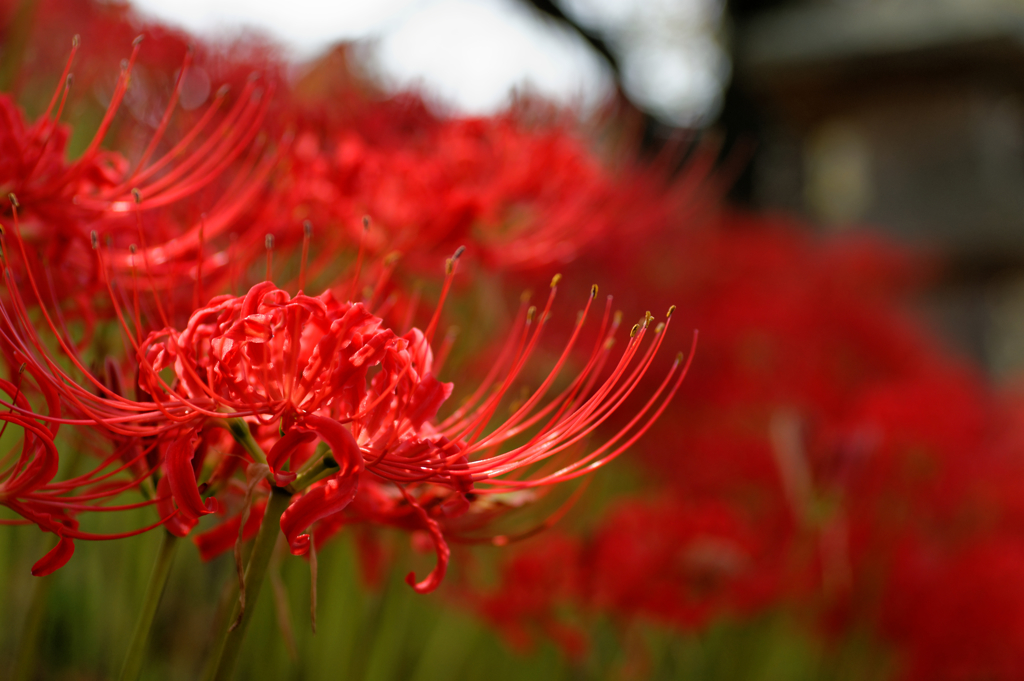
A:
[471, 54]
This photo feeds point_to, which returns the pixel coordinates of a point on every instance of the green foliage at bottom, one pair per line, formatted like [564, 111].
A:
[373, 634]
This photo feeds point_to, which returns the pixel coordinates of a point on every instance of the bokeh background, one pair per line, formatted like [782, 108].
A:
[832, 191]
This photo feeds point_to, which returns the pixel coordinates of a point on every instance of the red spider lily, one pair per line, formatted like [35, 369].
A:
[660, 560]
[317, 367]
[530, 594]
[678, 563]
[519, 193]
[58, 204]
[429, 189]
[264, 357]
[283, 371]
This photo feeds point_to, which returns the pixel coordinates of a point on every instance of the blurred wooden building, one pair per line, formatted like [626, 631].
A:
[906, 115]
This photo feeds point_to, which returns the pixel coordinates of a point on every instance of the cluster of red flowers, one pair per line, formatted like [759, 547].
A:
[828, 456]
[327, 401]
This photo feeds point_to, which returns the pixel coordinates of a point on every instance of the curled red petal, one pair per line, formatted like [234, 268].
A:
[182, 479]
[176, 524]
[343, 446]
[433, 580]
[282, 452]
[320, 501]
[55, 558]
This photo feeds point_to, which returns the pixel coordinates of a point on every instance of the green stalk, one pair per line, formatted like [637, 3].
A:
[154, 592]
[324, 468]
[239, 430]
[255, 571]
[219, 627]
[28, 648]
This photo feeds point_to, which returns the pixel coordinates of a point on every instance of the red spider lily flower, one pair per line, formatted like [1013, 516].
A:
[660, 560]
[531, 593]
[678, 563]
[305, 363]
[429, 188]
[521, 194]
[315, 365]
[58, 204]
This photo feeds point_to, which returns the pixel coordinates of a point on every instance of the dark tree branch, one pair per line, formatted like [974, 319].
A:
[551, 9]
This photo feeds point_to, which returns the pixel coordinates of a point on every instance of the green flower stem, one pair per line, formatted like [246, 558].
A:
[219, 625]
[239, 430]
[325, 467]
[154, 592]
[28, 648]
[255, 572]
